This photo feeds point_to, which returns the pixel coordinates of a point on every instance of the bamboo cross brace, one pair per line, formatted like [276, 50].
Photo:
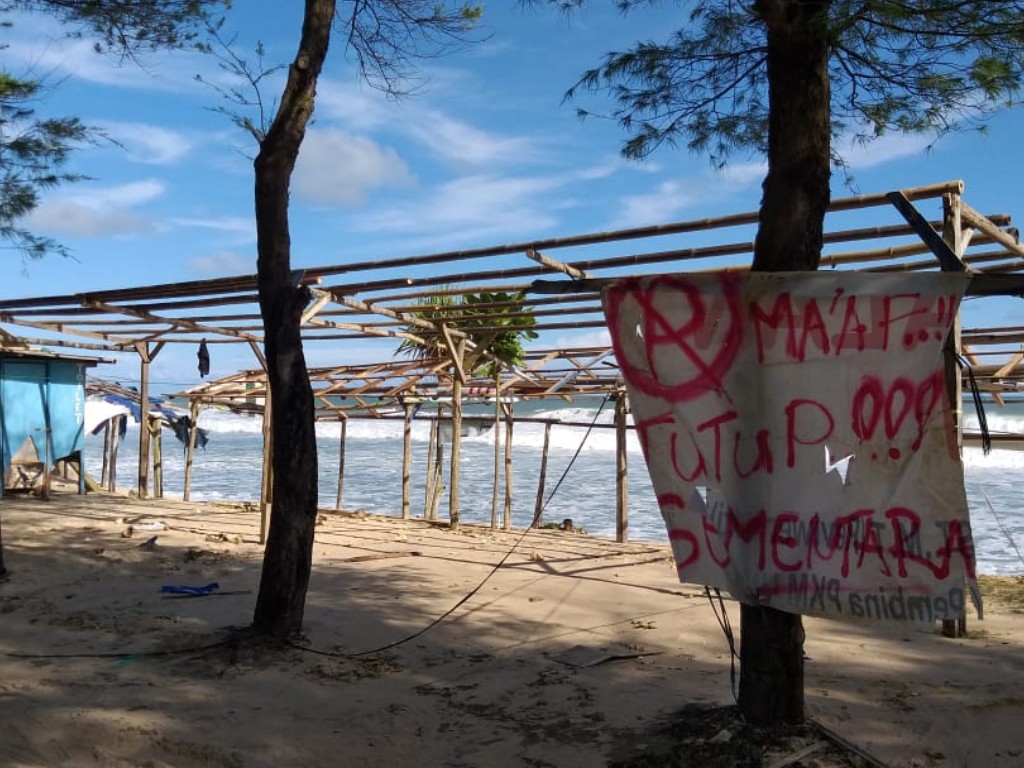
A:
[322, 299]
[11, 341]
[1013, 363]
[175, 323]
[981, 222]
[387, 333]
[559, 266]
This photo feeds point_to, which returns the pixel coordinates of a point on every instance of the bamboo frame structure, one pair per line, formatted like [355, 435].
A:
[383, 299]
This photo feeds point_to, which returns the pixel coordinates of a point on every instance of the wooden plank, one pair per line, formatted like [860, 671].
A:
[948, 258]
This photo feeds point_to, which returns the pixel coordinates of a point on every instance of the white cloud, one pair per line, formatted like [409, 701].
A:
[148, 143]
[882, 150]
[744, 174]
[352, 104]
[460, 142]
[338, 168]
[98, 211]
[223, 263]
[664, 204]
[599, 337]
[41, 49]
[121, 196]
[361, 109]
[66, 217]
[232, 224]
[472, 207]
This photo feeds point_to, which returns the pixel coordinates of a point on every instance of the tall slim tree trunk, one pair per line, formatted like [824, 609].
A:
[789, 237]
[288, 558]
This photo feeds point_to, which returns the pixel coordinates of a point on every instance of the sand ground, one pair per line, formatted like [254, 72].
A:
[575, 647]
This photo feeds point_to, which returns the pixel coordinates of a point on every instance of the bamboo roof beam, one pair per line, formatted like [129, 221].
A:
[175, 323]
[112, 339]
[977, 220]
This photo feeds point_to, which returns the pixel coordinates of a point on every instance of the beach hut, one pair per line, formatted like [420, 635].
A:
[42, 415]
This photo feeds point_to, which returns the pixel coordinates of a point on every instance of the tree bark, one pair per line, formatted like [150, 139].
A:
[796, 189]
[288, 558]
[789, 237]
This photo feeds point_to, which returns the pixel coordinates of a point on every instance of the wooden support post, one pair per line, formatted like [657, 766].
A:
[453, 485]
[115, 443]
[342, 442]
[437, 489]
[267, 478]
[952, 236]
[428, 493]
[146, 356]
[507, 517]
[497, 447]
[80, 466]
[538, 507]
[190, 447]
[106, 451]
[406, 461]
[621, 469]
[156, 431]
[47, 454]
[143, 485]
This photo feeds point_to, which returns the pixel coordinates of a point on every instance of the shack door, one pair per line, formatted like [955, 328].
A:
[23, 413]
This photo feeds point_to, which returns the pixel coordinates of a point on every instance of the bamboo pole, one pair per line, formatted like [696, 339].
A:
[428, 491]
[438, 486]
[143, 484]
[115, 443]
[538, 507]
[156, 432]
[342, 443]
[456, 459]
[952, 234]
[621, 470]
[507, 518]
[497, 447]
[106, 451]
[406, 460]
[190, 447]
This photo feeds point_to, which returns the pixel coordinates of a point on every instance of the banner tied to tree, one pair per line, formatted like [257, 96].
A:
[799, 436]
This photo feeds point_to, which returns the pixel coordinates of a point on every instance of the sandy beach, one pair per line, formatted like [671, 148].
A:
[570, 654]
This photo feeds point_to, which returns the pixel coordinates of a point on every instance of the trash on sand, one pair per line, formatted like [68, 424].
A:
[191, 591]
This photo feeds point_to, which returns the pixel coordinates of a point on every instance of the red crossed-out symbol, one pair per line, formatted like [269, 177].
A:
[665, 342]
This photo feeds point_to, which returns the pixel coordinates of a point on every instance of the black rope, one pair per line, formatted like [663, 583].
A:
[494, 569]
[730, 638]
[120, 654]
[231, 640]
[979, 406]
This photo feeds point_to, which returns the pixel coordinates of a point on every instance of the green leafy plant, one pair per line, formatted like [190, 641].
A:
[496, 323]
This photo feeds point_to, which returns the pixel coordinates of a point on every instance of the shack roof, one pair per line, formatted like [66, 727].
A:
[394, 297]
[35, 353]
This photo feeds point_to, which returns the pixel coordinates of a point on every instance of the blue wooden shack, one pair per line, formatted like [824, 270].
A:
[42, 415]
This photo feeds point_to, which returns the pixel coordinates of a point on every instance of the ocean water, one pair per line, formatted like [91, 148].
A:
[228, 469]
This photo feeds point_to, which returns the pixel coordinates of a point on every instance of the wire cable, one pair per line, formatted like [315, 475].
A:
[494, 569]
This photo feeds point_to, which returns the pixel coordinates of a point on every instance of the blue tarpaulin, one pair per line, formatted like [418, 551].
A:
[42, 407]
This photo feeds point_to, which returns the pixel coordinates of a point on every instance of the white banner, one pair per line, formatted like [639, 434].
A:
[799, 436]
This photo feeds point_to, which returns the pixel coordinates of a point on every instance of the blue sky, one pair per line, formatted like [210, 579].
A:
[484, 152]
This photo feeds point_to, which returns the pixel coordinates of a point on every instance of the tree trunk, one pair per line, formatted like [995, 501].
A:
[288, 557]
[789, 237]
